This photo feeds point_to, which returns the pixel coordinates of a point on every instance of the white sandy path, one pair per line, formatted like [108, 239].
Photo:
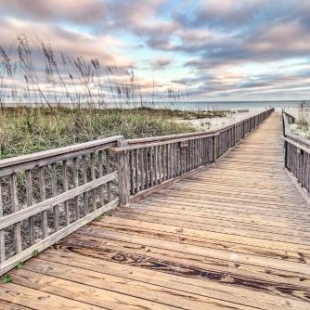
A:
[205, 124]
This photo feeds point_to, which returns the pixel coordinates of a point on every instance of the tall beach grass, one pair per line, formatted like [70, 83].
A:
[50, 99]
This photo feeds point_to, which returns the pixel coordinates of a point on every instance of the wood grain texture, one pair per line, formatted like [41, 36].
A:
[232, 236]
[2, 237]
[123, 175]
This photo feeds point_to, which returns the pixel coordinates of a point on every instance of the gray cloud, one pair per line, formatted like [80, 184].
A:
[83, 12]
[270, 43]
[207, 38]
[240, 15]
[162, 63]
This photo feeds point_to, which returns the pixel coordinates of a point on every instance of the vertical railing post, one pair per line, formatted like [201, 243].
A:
[2, 240]
[285, 153]
[215, 144]
[123, 175]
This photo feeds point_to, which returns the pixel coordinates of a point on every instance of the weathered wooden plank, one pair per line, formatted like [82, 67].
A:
[84, 293]
[65, 189]
[164, 162]
[185, 264]
[197, 271]
[137, 179]
[20, 295]
[213, 239]
[232, 257]
[160, 161]
[85, 180]
[151, 161]
[29, 194]
[93, 177]
[147, 168]
[108, 171]
[142, 168]
[152, 272]
[4, 305]
[76, 183]
[123, 175]
[156, 176]
[55, 193]
[42, 186]
[15, 209]
[222, 209]
[132, 173]
[215, 197]
[173, 197]
[2, 239]
[168, 161]
[236, 228]
[120, 285]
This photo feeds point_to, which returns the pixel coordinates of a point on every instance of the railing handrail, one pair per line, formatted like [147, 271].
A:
[298, 145]
[287, 133]
[210, 133]
[163, 142]
[4, 163]
[290, 115]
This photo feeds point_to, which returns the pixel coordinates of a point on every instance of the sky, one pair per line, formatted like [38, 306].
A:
[210, 50]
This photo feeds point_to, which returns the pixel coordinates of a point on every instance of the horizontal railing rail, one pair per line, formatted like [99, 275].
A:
[296, 153]
[148, 162]
[47, 195]
[289, 119]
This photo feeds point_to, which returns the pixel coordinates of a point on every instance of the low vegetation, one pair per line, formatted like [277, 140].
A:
[27, 130]
[65, 99]
[301, 126]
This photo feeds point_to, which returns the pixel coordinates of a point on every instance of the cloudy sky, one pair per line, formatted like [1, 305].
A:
[210, 49]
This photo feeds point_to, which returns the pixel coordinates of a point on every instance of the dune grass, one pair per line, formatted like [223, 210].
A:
[301, 127]
[49, 81]
[28, 130]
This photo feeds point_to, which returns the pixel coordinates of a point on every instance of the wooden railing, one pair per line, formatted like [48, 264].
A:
[289, 119]
[46, 196]
[296, 152]
[148, 162]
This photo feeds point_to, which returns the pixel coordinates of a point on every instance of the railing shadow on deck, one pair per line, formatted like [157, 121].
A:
[296, 153]
[48, 195]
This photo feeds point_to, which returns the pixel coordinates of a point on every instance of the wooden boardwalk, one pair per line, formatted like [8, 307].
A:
[234, 236]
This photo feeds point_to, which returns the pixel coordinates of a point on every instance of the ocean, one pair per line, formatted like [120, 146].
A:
[189, 105]
[231, 105]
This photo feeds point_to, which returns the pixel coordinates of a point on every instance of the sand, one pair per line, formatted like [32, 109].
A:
[205, 124]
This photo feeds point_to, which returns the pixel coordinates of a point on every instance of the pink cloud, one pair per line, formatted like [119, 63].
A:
[83, 12]
[286, 37]
[107, 48]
